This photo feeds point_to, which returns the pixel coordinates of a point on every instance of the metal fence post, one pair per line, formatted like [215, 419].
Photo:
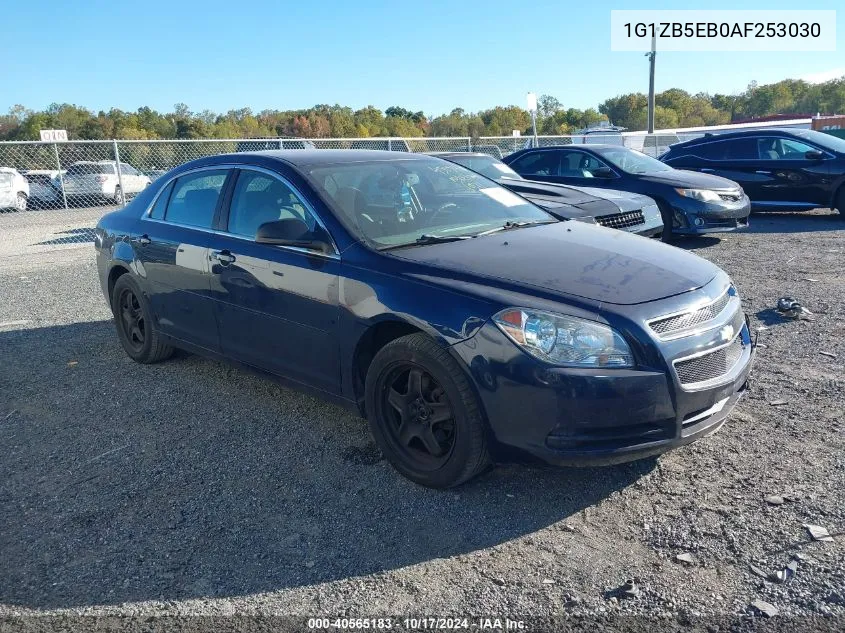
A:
[119, 175]
[281, 144]
[61, 177]
[389, 146]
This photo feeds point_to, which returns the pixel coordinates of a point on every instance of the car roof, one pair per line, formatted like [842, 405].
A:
[312, 157]
[721, 136]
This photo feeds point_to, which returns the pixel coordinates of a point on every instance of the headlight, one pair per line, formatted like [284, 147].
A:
[705, 195]
[564, 340]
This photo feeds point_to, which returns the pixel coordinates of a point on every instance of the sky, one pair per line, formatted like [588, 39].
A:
[429, 55]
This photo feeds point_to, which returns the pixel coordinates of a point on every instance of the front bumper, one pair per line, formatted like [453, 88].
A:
[577, 417]
[692, 217]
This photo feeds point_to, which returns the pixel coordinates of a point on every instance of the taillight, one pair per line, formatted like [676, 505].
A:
[102, 178]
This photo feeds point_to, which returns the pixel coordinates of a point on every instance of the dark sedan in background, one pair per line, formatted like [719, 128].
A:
[630, 212]
[467, 324]
[778, 168]
[691, 203]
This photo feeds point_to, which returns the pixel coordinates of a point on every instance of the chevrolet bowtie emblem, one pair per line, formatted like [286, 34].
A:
[726, 333]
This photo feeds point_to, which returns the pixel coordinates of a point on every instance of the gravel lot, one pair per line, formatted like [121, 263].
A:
[191, 487]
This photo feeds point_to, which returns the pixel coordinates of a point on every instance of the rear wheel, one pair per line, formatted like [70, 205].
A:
[424, 413]
[118, 195]
[135, 324]
[20, 202]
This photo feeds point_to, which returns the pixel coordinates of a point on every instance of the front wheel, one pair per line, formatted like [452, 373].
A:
[118, 195]
[20, 202]
[424, 414]
[136, 327]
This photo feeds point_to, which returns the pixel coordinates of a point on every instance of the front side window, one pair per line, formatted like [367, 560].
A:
[577, 164]
[538, 164]
[260, 198]
[400, 202]
[194, 198]
[771, 148]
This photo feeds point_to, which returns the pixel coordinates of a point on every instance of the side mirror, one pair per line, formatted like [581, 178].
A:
[290, 232]
[603, 172]
[814, 154]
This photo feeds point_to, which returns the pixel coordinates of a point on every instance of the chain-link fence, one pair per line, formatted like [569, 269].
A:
[54, 193]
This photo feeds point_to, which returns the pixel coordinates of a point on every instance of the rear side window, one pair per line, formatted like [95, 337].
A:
[260, 198]
[157, 212]
[538, 163]
[194, 198]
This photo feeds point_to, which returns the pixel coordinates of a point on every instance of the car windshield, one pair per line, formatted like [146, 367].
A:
[391, 203]
[632, 161]
[828, 141]
[5, 180]
[486, 166]
[83, 169]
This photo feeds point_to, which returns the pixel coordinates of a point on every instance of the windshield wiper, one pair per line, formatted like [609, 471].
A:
[430, 239]
[507, 226]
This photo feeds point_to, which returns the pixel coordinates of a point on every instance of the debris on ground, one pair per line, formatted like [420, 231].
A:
[831, 355]
[818, 533]
[766, 609]
[778, 403]
[685, 558]
[628, 590]
[548, 581]
[757, 571]
[786, 574]
[791, 308]
[774, 500]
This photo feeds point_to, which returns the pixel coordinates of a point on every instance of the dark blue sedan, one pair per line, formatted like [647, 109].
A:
[690, 203]
[468, 325]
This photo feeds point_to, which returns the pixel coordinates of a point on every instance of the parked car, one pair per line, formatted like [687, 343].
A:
[43, 193]
[14, 189]
[690, 203]
[467, 324]
[630, 212]
[152, 174]
[777, 168]
[100, 180]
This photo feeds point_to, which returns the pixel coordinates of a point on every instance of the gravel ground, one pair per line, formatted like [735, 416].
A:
[190, 487]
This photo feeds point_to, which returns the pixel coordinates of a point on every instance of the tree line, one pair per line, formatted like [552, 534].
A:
[673, 108]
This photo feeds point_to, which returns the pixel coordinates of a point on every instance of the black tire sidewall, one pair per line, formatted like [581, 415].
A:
[125, 282]
[452, 472]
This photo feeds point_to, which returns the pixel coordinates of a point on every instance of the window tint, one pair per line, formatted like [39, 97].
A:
[157, 212]
[741, 149]
[580, 164]
[711, 151]
[782, 149]
[260, 198]
[194, 198]
[538, 163]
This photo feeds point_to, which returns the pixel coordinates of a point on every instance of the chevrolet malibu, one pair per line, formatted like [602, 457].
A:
[466, 324]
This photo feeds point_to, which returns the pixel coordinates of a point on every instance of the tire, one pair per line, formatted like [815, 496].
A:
[136, 327]
[118, 195]
[840, 202]
[668, 218]
[20, 201]
[424, 413]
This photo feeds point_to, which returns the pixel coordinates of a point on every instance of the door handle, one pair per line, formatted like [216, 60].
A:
[762, 171]
[224, 257]
[144, 240]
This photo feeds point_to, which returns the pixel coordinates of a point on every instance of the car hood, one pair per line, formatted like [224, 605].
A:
[572, 259]
[625, 200]
[560, 200]
[690, 179]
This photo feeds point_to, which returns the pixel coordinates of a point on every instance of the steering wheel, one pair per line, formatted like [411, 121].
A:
[430, 217]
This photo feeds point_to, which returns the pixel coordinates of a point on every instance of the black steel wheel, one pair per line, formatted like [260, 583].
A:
[424, 413]
[135, 325]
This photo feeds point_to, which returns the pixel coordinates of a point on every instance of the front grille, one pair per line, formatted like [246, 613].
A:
[710, 366]
[691, 319]
[730, 196]
[621, 220]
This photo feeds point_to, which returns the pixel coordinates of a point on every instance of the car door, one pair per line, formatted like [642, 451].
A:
[132, 180]
[277, 306]
[173, 255]
[540, 164]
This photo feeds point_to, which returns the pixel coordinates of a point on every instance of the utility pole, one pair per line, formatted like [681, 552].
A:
[531, 100]
[651, 58]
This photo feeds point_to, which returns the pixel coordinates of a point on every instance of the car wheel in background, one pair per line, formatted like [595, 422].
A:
[424, 414]
[118, 195]
[20, 202]
[135, 324]
[668, 219]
